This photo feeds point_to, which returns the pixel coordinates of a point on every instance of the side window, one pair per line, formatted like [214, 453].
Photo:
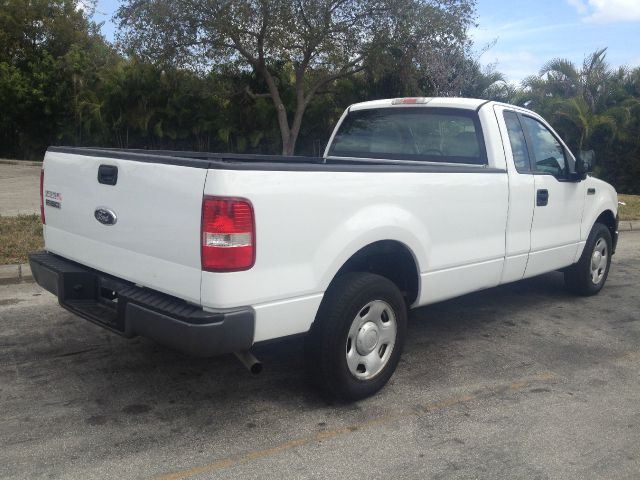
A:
[548, 153]
[517, 141]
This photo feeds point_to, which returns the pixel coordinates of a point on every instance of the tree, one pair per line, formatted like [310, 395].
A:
[592, 107]
[49, 53]
[422, 49]
[321, 40]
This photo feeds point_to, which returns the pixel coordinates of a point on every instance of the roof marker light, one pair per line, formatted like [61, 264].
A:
[410, 101]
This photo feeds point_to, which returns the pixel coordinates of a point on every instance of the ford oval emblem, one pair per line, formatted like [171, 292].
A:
[105, 216]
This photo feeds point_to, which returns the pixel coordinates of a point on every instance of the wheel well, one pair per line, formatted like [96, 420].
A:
[607, 218]
[390, 259]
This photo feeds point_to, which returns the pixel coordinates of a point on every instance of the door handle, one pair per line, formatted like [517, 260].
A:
[542, 197]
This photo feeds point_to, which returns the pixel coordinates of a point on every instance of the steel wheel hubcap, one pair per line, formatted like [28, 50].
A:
[367, 338]
[599, 260]
[371, 339]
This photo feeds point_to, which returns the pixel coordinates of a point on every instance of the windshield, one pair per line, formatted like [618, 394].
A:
[419, 134]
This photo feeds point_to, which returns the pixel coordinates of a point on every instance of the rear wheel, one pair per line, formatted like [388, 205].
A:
[588, 276]
[358, 335]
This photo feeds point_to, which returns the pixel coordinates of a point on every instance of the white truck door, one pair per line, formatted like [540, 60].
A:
[521, 194]
[555, 230]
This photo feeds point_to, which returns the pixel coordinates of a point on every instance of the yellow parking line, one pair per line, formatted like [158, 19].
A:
[329, 434]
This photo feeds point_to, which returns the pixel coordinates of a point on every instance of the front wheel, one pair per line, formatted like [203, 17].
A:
[357, 338]
[588, 276]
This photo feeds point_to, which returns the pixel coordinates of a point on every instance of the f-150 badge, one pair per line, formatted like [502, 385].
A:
[53, 199]
[105, 216]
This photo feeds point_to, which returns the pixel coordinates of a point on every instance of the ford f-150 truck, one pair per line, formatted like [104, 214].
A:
[416, 200]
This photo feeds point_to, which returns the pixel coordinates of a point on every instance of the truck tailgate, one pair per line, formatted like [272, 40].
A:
[155, 240]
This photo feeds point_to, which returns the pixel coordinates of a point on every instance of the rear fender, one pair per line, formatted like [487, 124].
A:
[367, 226]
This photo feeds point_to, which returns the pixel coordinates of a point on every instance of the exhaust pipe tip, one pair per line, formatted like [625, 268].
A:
[256, 368]
[250, 362]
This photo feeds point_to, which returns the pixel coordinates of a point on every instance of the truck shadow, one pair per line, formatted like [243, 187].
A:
[117, 382]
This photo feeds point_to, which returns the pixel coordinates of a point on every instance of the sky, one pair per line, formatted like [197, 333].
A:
[527, 34]
[524, 34]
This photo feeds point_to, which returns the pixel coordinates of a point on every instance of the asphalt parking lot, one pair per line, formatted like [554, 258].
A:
[19, 188]
[521, 381]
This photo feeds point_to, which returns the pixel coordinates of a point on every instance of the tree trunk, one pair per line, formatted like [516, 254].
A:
[301, 106]
[281, 111]
[289, 147]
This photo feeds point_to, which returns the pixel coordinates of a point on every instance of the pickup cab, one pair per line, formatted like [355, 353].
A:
[416, 200]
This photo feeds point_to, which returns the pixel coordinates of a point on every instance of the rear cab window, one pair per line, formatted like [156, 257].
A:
[446, 135]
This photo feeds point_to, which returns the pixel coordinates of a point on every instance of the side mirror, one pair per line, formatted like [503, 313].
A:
[584, 162]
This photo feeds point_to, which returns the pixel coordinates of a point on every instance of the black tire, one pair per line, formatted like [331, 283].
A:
[326, 346]
[578, 278]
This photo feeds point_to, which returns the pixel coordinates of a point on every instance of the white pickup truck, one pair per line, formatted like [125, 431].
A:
[416, 200]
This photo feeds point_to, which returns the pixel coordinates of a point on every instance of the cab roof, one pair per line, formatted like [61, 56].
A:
[445, 102]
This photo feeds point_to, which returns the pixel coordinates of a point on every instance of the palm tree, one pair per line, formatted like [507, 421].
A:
[562, 78]
[585, 122]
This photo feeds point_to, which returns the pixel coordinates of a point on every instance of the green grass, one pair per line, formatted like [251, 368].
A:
[19, 236]
[630, 211]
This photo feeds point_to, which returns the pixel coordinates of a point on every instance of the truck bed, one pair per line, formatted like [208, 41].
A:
[235, 161]
[187, 158]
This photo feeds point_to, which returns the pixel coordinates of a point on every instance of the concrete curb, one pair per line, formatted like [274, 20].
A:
[629, 226]
[15, 274]
[29, 163]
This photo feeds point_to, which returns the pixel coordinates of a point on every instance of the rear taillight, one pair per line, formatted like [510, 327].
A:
[42, 196]
[228, 234]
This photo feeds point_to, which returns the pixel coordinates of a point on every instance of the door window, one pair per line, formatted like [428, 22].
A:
[517, 141]
[548, 153]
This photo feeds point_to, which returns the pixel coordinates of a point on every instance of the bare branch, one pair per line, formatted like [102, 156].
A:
[255, 96]
[325, 81]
